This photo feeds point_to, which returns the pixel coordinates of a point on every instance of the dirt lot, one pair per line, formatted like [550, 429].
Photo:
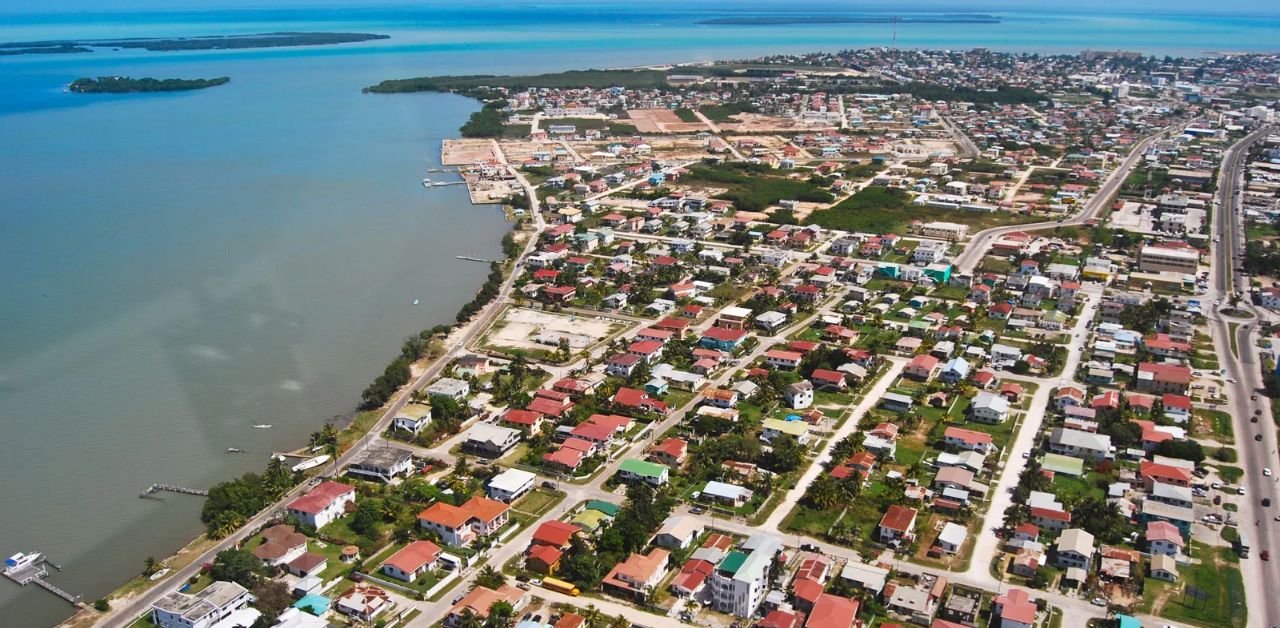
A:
[485, 191]
[758, 123]
[464, 152]
[662, 121]
[533, 330]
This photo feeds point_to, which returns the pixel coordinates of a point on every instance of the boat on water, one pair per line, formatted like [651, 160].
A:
[311, 463]
[21, 561]
[426, 183]
[262, 426]
[234, 450]
[415, 301]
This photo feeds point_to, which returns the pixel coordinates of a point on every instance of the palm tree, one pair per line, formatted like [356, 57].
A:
[226, 524]
[592, 615]
[149, 566]
[490, 578]
[470, 620]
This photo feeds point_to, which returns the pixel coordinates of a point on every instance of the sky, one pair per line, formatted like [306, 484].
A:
[1217, 7]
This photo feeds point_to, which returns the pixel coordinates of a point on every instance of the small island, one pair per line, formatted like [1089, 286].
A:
[784, 20]
[127, 85]
[210, 42]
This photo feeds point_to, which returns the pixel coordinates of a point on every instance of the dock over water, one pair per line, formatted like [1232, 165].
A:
[37, 574]
[156, 488]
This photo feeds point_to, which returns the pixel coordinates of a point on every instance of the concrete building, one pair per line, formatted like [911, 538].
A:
[740, 581]
[213, 604]
[382, 463]
[1158, 259]
[944, 230]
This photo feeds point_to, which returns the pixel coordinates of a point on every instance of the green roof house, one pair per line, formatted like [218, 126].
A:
[633, 470]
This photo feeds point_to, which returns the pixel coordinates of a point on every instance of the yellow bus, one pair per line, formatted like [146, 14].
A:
[555, 584]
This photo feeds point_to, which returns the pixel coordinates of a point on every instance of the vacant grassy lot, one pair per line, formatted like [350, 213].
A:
[885, 210]
[751, 186]
[1215, 576]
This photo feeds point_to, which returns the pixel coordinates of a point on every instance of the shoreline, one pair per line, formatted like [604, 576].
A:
[349, 432]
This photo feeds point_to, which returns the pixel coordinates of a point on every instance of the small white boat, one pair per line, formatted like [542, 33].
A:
[234, 450]
[415, 301]
[22, 561]
[311, 463]
[426, 183]
[262, 426]
[159, 574]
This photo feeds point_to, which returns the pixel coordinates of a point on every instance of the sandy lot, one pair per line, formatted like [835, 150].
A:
[521, 328]
[662, 121]
[464, 152]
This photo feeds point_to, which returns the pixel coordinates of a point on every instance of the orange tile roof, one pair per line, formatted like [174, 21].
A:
[414, 555]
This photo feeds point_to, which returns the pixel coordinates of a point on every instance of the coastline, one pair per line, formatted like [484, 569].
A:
[351, 431]
[198, 542]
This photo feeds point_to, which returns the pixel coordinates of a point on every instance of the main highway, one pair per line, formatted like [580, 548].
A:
[1249, 406]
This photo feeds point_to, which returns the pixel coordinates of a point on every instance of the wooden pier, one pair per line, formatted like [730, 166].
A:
[156, 488]
[474, 259]
[36, 574]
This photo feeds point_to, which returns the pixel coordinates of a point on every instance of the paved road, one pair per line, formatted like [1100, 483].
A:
[1264, 606]
[987, 544]
[981, 241]
[967, 147]
[893, 369]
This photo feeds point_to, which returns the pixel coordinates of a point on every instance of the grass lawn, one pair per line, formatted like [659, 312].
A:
[539, 501]
[1225, 605]
[955, 293]
[832, 399]
[809, 521]
[909, 452]
[808, 333]
[1074, 490]
[885, 210]
[1218, 422]
[143, 622]
[1229, 473]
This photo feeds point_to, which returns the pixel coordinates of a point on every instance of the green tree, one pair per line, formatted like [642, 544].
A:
[500, 615]
[490, 578]
[786, 454]
[238, 566]
[273, 597]
[368, 518]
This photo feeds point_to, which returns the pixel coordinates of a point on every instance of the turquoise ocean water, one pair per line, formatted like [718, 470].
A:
[176, 268]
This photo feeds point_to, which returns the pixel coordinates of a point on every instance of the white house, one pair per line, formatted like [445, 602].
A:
[989, 407]
[205, 609]
[413, 560]
[510, 485]
[799, 395]
[678, 532]
[1069, 442]
[322, 504]
[412, 417]
[490, 440]
[774, 428]
[739, 586]
[1075, 549]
